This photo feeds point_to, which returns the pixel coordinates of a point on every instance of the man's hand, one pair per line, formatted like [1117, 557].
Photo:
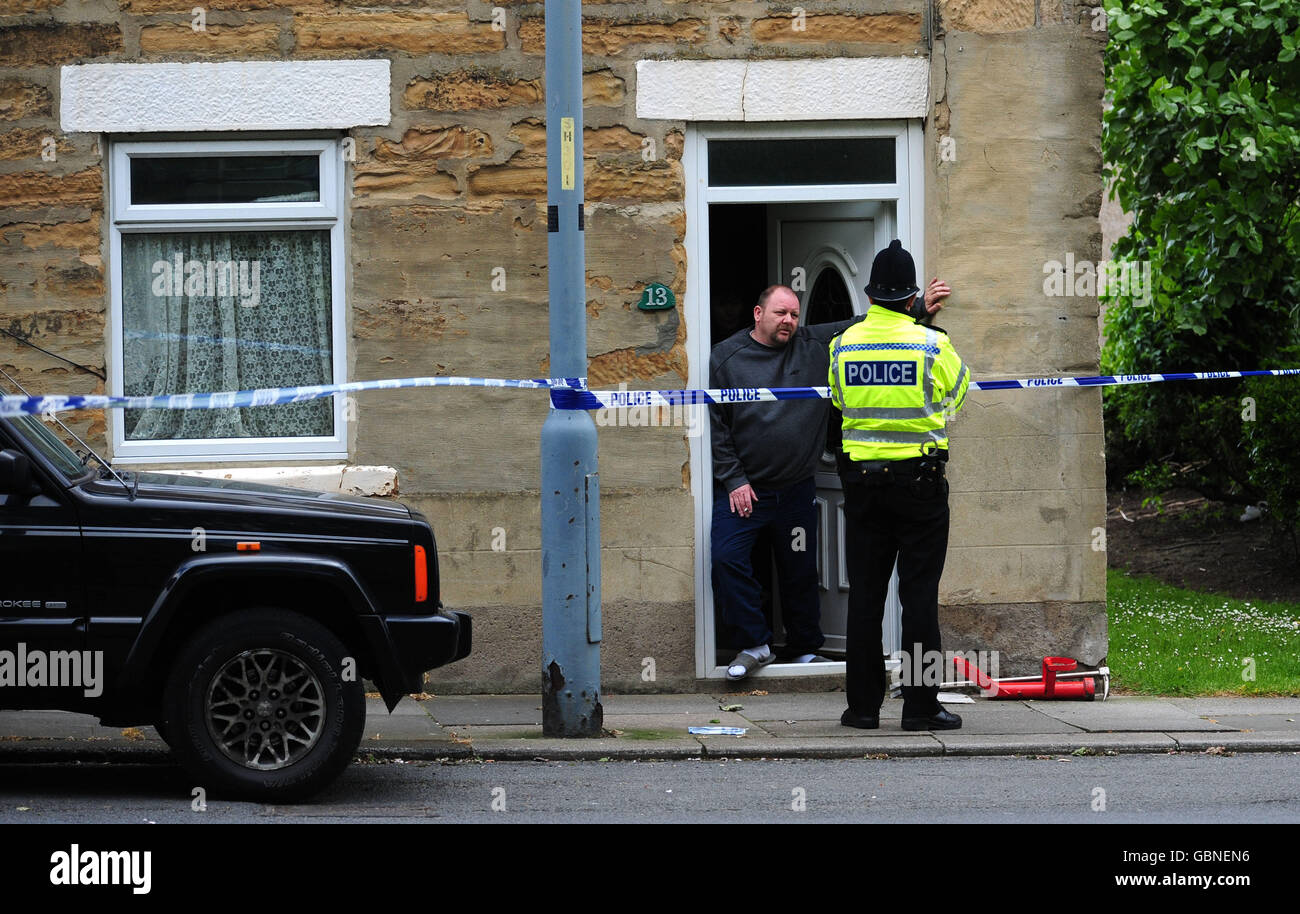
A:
[742, 501]
[935, 294]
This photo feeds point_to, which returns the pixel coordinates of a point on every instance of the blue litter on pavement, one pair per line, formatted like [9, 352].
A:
[717, 731]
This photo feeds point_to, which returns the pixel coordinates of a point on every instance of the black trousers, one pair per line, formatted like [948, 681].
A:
[901, 515]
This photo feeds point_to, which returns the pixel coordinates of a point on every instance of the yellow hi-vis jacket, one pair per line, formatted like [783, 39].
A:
[895, 380]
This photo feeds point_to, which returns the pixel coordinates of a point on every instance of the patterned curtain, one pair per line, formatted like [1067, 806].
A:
[217, 311]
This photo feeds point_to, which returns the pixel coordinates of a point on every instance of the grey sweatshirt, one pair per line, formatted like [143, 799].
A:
[771, 445]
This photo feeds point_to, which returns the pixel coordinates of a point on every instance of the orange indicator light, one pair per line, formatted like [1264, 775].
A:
[421, 576]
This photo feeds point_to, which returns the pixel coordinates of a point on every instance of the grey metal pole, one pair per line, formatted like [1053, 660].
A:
[570, 485]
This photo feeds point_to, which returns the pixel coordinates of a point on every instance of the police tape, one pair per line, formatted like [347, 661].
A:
[566, 393]
[265, 396]
[562, 398]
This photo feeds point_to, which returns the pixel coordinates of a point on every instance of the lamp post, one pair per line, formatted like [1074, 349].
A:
[570, 485]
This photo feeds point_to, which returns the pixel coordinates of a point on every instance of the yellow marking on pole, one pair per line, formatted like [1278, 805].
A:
[566, 153]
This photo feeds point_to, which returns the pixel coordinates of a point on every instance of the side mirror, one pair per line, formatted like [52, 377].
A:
[16, 474]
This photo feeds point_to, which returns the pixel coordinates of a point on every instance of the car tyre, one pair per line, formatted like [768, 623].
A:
[256, 705]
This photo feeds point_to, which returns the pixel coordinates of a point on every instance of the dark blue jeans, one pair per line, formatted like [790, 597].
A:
[790, 515]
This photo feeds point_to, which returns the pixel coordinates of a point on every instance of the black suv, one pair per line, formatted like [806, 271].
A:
[237, 619]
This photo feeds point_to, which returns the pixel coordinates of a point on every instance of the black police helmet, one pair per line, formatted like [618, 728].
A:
[893, 275]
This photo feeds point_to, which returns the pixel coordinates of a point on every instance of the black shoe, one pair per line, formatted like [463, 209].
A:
[861, 721]
[943, 720]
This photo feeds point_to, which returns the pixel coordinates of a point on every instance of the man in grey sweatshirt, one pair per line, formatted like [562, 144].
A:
[764, 461]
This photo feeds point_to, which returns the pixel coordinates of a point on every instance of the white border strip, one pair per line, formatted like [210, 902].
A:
[841, 88]
[233, 95]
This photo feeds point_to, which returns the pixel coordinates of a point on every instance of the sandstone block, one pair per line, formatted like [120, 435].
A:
[988, 16]
[1025, 462]
[633, 630]
[627, 250]
[608, 38]
[479, 89]
[637, 459]
[423, 146]
[82, 237]
[374, 185]
[531, 132]
[654, 181]
[882, 28]
[603, 88]
[146, 7]
[18, 7]
[1017, 574]
[19, 99]
[42, 189]
[50, 43]
[397, 319]
[67, 283]
[1024, 633]
[1045, 517]
[470, 90]
[445, 257]
[173, 37]
[411, 32]
[1051, 12]
[80, 336]
[509, 181]
[32, 143]
[666, 573]
[674, 143]
[646, 182]
[463, 440]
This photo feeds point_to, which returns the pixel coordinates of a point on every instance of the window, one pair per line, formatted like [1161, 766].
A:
[227, 275]
[828, 160]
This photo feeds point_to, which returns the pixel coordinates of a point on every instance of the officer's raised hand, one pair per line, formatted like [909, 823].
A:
[935, 294]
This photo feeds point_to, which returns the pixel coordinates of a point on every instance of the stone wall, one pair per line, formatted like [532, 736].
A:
[450, 196]
[1017, 90]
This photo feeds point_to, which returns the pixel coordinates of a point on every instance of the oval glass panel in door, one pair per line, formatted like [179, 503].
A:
[829, 301]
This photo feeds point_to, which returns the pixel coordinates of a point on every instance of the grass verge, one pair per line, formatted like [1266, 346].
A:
[1169, 641]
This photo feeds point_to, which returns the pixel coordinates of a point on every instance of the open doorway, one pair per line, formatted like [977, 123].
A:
[803, 205]
[823, 251]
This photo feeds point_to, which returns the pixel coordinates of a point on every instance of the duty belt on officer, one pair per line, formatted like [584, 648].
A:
[912, 466]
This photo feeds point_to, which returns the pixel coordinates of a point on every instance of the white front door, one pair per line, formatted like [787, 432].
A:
[824, 252]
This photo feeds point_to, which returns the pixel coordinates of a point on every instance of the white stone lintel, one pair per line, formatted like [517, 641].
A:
[232, 95]
[841, 88]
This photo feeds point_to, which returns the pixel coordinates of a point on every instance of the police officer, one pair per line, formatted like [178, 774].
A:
[895, 381]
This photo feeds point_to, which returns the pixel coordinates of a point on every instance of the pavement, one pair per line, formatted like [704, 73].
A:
[776, 724]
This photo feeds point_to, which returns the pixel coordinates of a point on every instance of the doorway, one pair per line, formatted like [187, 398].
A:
[768, 213]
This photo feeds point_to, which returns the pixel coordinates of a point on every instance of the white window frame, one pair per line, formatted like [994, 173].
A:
[126, 218]
[907, 194]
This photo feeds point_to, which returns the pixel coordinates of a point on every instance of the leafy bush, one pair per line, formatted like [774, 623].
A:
[1202, 142]
[1272, 443]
